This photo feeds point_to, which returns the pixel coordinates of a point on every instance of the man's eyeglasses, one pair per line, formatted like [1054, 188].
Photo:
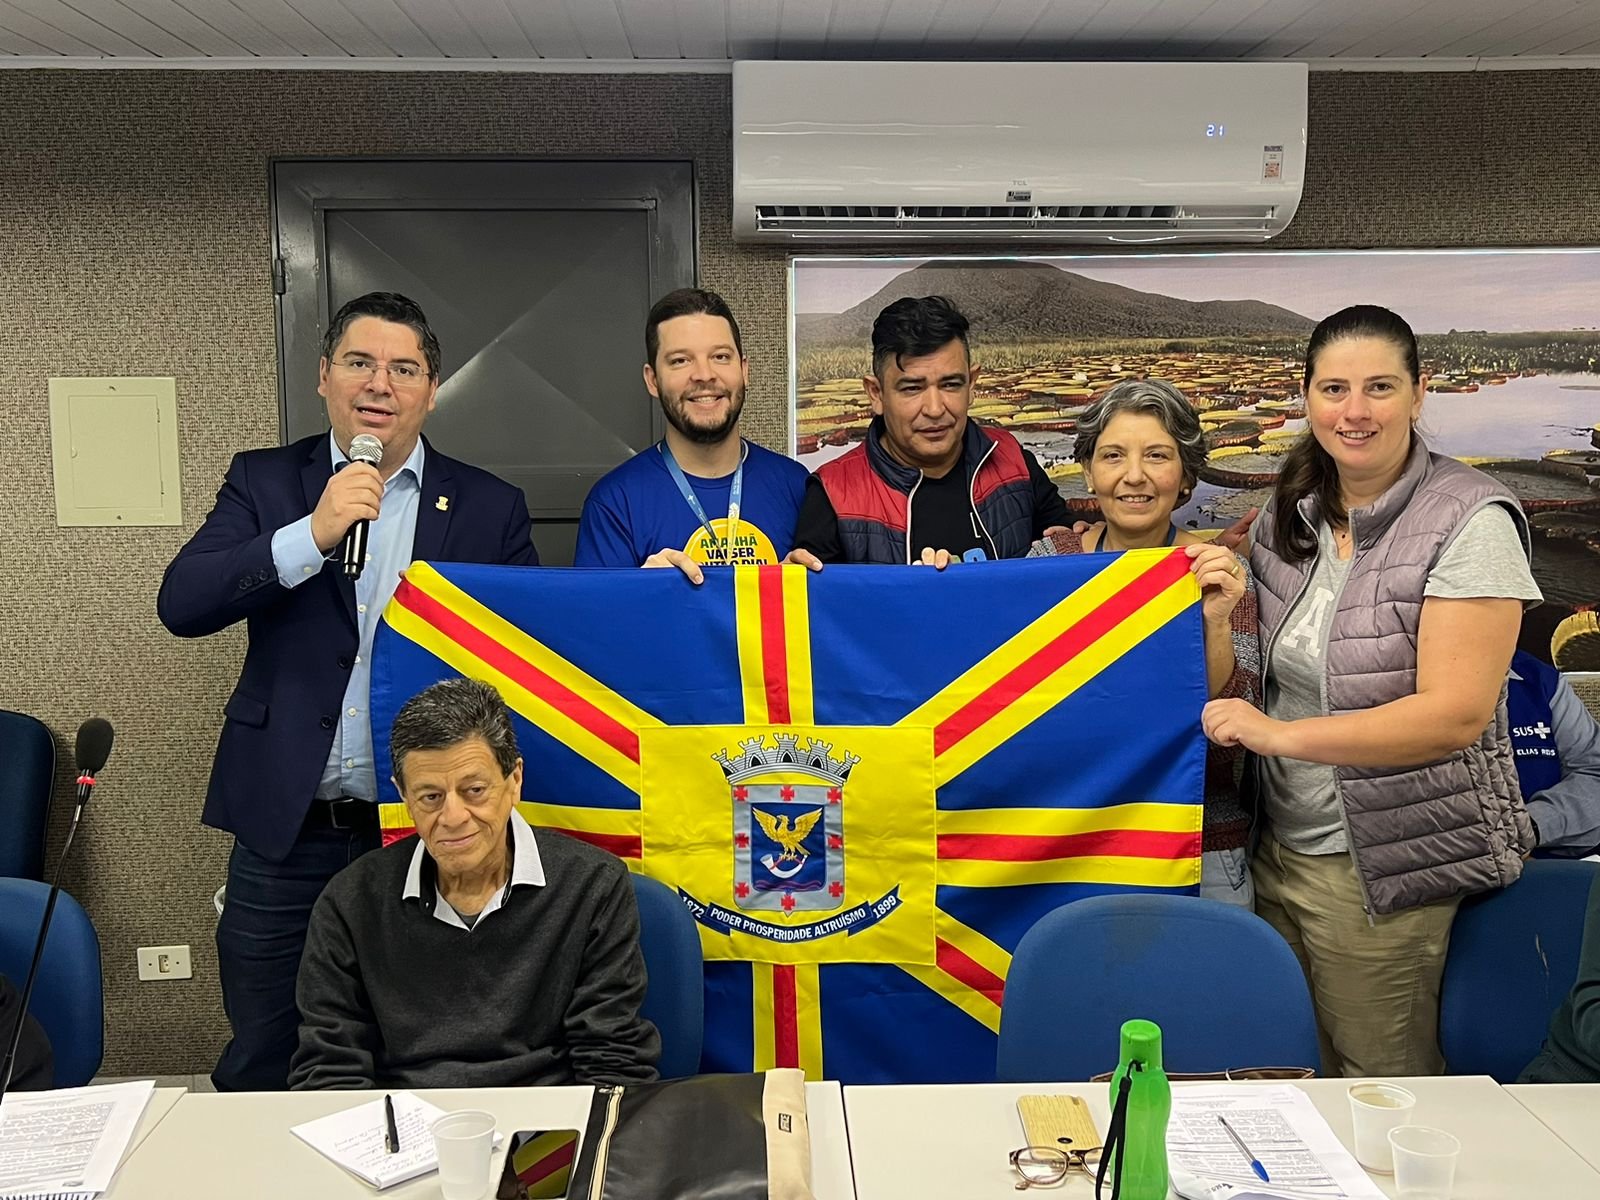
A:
[401, 374]
[1048, 1166]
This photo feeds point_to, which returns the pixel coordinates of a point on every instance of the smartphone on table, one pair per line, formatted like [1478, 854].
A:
[539, 1165]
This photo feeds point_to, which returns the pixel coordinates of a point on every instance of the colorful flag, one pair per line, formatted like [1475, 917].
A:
[866, 783]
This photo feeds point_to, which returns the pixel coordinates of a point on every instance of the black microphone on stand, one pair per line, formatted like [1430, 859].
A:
[93, 748]
[364, 448]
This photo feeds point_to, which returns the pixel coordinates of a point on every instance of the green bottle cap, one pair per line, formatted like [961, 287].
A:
[1141, 1040]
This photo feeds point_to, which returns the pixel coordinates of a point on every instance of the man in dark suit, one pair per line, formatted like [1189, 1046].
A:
[293, 778]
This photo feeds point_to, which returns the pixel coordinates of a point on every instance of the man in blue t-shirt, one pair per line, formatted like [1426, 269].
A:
[702, 496]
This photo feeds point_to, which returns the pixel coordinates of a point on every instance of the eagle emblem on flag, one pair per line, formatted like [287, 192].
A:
[865, 784]
[788, 838]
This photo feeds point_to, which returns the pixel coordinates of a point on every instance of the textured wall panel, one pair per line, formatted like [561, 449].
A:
[134, 240]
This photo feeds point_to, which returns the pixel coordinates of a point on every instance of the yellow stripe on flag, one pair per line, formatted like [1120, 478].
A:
[797, 644]
[763, 1016]
[808, 1013]
[1055, 822]
[621, 822]
[965, 956]
[747, 628]
[1115, 870]
[563, 676]
[1058, 684]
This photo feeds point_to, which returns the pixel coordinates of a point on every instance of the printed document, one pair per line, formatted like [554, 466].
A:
[69, 1140]
[1303, 1158]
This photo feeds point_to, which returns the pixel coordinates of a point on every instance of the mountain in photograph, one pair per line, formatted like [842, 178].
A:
[1033, 302]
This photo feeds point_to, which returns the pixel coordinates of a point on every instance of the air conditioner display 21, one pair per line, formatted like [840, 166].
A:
[1063, 152]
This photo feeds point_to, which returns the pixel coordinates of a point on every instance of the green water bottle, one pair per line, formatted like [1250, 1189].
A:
[1140, 1161]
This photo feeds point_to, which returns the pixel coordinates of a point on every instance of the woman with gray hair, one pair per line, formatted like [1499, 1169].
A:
[1141, 447]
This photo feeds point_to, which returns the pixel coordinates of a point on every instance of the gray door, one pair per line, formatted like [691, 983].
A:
[536, 276]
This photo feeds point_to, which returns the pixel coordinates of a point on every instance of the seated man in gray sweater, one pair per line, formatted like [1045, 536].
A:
[475, 954]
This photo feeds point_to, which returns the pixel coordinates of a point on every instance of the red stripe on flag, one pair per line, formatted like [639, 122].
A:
[1114, 843]
[391, 836]
[623, 845]
[560, 697]
[1051, 658]
[785, 1017]
[558, 1159]
[774, 654]
[966, 970]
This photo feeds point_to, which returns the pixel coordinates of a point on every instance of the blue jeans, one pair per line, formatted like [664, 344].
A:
[260, 936]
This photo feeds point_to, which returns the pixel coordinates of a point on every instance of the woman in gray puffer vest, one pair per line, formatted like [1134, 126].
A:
[1391, 583]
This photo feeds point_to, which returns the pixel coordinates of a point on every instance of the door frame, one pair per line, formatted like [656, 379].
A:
[303, 189]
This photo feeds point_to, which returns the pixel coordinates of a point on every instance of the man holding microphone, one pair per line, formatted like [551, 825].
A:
[293, 777]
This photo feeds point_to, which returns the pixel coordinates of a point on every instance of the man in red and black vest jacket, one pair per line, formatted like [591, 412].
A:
[927, 485]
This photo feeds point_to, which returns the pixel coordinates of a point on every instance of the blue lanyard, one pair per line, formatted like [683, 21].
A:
[735, 494]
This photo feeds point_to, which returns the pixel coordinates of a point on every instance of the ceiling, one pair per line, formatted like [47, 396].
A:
[697, 34]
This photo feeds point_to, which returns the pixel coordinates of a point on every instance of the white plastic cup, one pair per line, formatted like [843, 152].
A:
[1375, 1109]
[1424, 1162]
[464, 1142]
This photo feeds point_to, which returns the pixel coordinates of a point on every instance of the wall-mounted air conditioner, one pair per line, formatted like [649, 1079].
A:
[1066, 152]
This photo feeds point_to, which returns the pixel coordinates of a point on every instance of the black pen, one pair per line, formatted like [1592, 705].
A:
[391, 1135]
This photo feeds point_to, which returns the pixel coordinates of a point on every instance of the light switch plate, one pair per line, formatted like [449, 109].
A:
[164, 962]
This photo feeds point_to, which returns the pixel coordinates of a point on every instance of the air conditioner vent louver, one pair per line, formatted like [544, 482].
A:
[1012, 220]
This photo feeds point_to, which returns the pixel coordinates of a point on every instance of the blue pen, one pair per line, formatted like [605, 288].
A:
[1255, 1163]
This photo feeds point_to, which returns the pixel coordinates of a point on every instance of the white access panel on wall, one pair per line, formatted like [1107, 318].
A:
[115, 446]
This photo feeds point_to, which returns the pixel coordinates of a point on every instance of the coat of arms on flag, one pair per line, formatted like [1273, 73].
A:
[865, 784]
[788, 838]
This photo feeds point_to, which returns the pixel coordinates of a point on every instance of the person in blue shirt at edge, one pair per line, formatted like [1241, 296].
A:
[927, 485]
[1557, 746]
[702, 496]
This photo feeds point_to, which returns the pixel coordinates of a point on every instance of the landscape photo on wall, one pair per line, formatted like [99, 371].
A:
[1510, 338]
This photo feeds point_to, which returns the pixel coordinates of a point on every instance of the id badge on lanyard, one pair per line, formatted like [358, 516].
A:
[735, 495]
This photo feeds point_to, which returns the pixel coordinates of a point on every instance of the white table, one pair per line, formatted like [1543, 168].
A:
[1571, 1110]
[935, 1142]
[162, 1102]
[239, 1146]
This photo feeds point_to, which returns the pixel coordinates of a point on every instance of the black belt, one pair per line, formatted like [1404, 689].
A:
[344, 813]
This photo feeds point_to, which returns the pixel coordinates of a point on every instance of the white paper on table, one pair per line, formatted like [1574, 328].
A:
[69, 1140]
[355, 1139]
[1283, 1129]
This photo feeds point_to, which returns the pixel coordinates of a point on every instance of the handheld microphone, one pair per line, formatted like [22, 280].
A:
[93, 748]
[364, 448]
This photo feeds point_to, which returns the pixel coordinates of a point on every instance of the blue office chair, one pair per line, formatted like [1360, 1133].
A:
[27, 773]
[1223, 985]
[675, 997]
[1513, 958]
[67, 997]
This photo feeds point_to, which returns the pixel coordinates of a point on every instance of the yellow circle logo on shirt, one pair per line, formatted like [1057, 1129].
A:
[751, 548]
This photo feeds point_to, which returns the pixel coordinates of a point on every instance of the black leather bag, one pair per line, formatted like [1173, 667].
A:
[706, 1137]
